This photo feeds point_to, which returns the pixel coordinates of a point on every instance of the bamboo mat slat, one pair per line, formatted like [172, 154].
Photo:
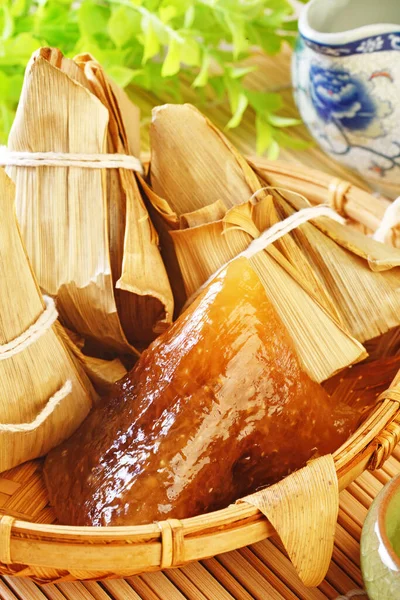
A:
[226, 579]
[262, 571]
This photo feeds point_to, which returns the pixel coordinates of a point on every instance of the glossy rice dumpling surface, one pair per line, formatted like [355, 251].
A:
[217, 407]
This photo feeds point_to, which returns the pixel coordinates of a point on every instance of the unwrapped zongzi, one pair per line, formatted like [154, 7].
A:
[218, 406]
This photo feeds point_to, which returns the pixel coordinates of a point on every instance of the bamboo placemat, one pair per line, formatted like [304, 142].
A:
[261, 571]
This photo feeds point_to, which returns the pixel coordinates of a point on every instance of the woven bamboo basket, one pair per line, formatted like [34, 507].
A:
[31, 545]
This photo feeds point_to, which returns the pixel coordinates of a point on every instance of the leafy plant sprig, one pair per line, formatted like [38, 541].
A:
[148, 42]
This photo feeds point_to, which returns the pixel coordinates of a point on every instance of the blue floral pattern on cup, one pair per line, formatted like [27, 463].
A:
[348, 96]
[340, 97]
[379, 43]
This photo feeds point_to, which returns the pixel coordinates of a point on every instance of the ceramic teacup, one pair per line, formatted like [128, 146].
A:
[346, 76]
[380, 545]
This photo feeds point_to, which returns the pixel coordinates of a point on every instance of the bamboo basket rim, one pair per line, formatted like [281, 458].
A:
[24, 543]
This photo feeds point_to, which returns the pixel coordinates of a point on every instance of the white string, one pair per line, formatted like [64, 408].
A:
[9, 158]
[44, 414]
[390, 220]
[274, 233]
[33, 333]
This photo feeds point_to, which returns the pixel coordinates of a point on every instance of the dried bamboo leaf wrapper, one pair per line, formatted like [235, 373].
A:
[303, 508]
[56, 113]
[115, 195]
[323, 346]
[143, 294]
[207, 214]
[319, 186]
[56, 58]
[39, 370]
[257, 218]
[131, 118]
[101, 372]
[206, 178]
[380, 256]
[165, 220]
[346, 274]
[193, 164]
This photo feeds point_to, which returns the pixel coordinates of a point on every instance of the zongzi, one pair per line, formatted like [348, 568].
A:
[97, 235]
[44, 392]
[218, 406]
[194, 184]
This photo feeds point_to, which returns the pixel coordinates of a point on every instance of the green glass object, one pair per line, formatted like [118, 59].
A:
[380, 545]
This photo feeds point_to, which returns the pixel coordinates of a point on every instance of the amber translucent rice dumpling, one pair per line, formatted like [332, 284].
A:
[218, 406]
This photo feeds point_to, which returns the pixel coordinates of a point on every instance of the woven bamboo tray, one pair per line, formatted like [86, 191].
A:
[32, 546]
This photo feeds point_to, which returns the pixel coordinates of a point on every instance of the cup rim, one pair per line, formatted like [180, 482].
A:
[391, 490]
[341, 38]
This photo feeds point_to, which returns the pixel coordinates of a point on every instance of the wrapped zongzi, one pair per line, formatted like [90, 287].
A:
[44, 393]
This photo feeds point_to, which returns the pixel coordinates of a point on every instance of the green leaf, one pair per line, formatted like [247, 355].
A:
[237, 29]
[124, 25]
[6, 116]
[14, 92]
[172, 60]
[24, 23]
[151, 41]
[278, 121]
[271, 43]
[190, 52]
[241, 105]
[264, 135]
[189, 17]
[264, 102]
[273, 150]
[7, 23]
[18, 50]
[218, 85]
[93, 18]
[204, 38]
[122, 75]
[237, 99]
[167, 13]
[18, 7]
[288, 141]
[55, 24]
[279, 5]
[202, 77]
[290, 25]
[181, 6]
[4, 84]
[238, 72]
